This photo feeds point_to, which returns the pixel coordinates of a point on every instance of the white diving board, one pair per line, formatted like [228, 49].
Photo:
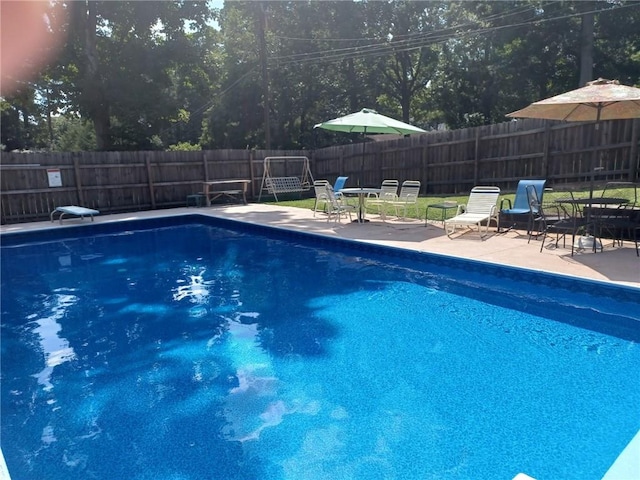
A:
[74, 210]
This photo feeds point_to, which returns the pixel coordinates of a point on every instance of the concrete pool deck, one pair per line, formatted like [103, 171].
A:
[616, 264]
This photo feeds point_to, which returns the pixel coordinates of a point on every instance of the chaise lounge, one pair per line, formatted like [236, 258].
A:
[481, 208]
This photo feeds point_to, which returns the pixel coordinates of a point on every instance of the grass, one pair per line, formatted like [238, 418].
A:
[436, 214]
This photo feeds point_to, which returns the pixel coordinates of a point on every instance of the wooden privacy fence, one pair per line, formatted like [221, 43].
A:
[445, 162]
[454, 161]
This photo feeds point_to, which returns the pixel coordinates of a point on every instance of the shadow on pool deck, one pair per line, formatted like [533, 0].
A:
[616, 264]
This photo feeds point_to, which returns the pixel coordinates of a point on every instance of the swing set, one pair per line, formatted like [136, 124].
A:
[275, 178]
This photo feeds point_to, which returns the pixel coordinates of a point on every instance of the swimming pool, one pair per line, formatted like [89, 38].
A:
[192, 348]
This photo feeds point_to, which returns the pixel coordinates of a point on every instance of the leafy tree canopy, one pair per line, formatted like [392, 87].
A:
[185, 75]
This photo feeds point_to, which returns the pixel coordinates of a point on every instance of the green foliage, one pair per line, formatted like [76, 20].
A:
[150, 74]
[184, 147]
[73, 134]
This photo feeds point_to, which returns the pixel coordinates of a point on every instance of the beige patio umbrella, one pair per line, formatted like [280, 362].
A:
[598, 100]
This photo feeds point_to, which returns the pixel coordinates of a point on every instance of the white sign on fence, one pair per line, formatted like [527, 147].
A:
[55, 180]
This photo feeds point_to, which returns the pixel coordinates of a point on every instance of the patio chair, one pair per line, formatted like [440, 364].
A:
[336, 207]
[481, 208]
[620, 221]
[388, 193]
[537, 221]
[564, 223]
[624, 190]
[541, 215]
[320, 189]
[339, 185]
[519, 213]
[407, 198]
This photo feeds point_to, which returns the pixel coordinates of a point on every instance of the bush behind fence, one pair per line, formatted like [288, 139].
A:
[446, 162]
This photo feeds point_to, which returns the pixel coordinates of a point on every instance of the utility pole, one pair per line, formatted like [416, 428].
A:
[262, 27]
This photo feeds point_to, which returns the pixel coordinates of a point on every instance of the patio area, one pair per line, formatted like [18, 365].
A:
[615, 264]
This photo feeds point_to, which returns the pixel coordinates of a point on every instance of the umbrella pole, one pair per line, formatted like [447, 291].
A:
[361, 199]
[590, 240]
[364, 137]
[594, 157]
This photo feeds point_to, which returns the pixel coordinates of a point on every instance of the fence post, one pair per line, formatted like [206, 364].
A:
[634, 169]
[476, 160]
[205, 165]
[546, 141]
[76, 171]
[423, 168]
[252, 176]
[150, 181]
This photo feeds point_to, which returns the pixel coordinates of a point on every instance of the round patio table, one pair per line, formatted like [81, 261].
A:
[360, 192]
[588, 241]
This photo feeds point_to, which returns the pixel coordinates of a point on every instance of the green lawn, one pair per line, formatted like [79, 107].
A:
[435, 214]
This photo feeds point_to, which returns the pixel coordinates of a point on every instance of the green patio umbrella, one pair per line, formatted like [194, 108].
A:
[368, 121]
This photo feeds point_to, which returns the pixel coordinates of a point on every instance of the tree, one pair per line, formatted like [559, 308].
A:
[22, 123]
[157, 74]
[72, 134]
[407, 62]
[132, 60]
[234, 119]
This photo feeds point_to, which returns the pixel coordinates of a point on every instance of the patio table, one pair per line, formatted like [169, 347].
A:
[589, 205]
[443, 207]
[360, 192]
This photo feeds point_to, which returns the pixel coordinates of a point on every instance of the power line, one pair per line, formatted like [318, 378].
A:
[221, 94]
[418, 41]
[412, 41]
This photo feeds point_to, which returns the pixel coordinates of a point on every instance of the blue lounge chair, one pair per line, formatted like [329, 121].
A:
[339, 185]
[340, 181]
[518, 214]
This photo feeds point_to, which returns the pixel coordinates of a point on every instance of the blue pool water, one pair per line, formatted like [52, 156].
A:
[192, 350]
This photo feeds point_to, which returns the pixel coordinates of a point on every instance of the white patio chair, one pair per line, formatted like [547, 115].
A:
[320, 188]
[388, 193]
[336, 207]
[407, 198]
[481, 208]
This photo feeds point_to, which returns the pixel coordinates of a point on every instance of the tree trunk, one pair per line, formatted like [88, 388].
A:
[262, 27]
[352, 86]
[586, 49]
[94, 98]
[49, 121]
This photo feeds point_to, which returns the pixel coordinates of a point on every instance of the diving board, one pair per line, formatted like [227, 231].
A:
[74, 210]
